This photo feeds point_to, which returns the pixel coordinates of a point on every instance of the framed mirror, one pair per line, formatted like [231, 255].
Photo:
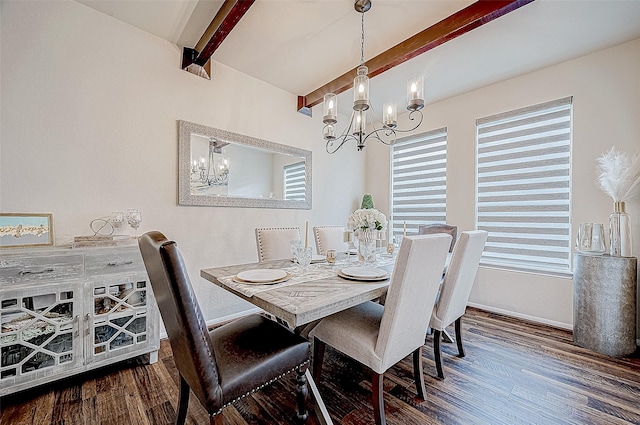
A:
[219, 168]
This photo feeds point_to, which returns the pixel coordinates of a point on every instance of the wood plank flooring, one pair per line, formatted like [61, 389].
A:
[514, 373]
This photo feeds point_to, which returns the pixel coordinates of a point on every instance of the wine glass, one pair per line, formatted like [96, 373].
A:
[304, 258]
[368, 249]
[134, 218]
[117, 220]
[294, 247]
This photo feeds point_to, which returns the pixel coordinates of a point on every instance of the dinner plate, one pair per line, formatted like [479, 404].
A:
[261, 275]
[363, 279]
[365, 272]
[246, 282]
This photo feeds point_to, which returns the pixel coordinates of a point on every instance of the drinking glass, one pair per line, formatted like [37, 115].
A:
[134, 218]
[348, 238]
[117, 219]
[368, 250]
[294, 247]
[332, 255]
[304, 258]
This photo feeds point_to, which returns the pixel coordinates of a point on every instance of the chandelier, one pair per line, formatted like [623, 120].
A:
[213, 171]
[384, 130]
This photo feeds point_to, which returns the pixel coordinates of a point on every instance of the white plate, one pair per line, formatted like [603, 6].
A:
[362, 279]
[364, 272]
[246, 282]
[261, 275]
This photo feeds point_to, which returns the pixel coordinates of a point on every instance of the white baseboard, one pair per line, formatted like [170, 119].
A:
[523, 316]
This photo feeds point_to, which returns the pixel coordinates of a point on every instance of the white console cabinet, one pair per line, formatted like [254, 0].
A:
[66, 311]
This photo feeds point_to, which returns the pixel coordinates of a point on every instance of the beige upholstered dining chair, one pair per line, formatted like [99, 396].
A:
[329, 237]
[455, 291]
[229, 362]
[429, 229]
[380, 336]
[273, 243]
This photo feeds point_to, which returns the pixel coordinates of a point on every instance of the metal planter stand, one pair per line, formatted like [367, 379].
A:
[604, 303]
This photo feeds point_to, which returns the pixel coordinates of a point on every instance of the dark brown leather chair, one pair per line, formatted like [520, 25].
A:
[430, 229]
[227, 363]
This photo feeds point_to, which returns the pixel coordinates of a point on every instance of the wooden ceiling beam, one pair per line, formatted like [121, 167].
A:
[461, 22]
[225, 20]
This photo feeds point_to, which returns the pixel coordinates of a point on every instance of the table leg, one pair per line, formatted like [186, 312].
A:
[321, 409]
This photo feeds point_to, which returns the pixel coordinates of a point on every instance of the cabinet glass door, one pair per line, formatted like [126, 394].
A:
[120, 321]
[40, 332]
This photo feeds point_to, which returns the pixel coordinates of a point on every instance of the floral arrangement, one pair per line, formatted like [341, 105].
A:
[619, 174]
[367, 218]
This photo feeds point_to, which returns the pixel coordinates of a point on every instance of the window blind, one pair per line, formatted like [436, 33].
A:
[523, 187]
[294, 180]
[418, 181]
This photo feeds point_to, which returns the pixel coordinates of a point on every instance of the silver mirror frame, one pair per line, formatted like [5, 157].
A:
[186, 129]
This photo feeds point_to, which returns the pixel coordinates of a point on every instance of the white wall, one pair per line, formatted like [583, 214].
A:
[89, 109]
[606, 111]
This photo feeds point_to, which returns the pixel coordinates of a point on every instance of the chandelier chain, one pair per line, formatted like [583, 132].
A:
[362, 40]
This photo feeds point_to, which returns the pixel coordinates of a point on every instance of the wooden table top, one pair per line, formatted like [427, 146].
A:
[306, 300]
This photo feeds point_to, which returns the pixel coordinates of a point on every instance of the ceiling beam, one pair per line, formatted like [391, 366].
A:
[461, 22]
[225, 20]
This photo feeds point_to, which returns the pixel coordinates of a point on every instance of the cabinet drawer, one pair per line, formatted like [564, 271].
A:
[106, 263]
[19, 269]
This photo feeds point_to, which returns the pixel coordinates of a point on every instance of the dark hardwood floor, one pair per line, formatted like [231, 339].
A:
[514, 373]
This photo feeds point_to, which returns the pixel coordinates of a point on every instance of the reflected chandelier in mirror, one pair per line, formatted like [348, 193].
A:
[225, 169]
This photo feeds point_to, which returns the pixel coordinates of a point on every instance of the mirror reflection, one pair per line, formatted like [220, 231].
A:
[220, 168]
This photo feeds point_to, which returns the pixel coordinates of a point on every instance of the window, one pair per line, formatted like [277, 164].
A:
[523, 187]
[418, 181]
[294, 188]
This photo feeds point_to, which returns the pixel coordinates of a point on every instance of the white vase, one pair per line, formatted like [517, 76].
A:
[619, 232]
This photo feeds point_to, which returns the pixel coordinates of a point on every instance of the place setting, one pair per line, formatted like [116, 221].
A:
[262, 276]
[363, 273]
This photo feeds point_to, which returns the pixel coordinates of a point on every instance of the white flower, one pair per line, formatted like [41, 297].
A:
[367, 218]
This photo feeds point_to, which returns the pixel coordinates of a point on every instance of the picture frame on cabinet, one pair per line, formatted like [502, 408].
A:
[22, 230]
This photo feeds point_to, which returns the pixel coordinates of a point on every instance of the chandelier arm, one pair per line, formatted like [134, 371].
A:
[388, 133]
[411, 118]
[342, 140]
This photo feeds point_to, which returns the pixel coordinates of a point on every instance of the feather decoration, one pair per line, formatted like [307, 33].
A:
[619, 174]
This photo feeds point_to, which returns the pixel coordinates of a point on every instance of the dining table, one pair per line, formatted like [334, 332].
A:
[305, 295]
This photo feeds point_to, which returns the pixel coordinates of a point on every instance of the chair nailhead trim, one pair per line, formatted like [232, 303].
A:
[261, 386]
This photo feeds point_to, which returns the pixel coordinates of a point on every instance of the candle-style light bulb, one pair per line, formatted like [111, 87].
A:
[389, 116]
[330, 106]
[415, 99]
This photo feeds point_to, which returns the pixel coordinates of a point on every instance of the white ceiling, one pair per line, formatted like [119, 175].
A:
[299, 45]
